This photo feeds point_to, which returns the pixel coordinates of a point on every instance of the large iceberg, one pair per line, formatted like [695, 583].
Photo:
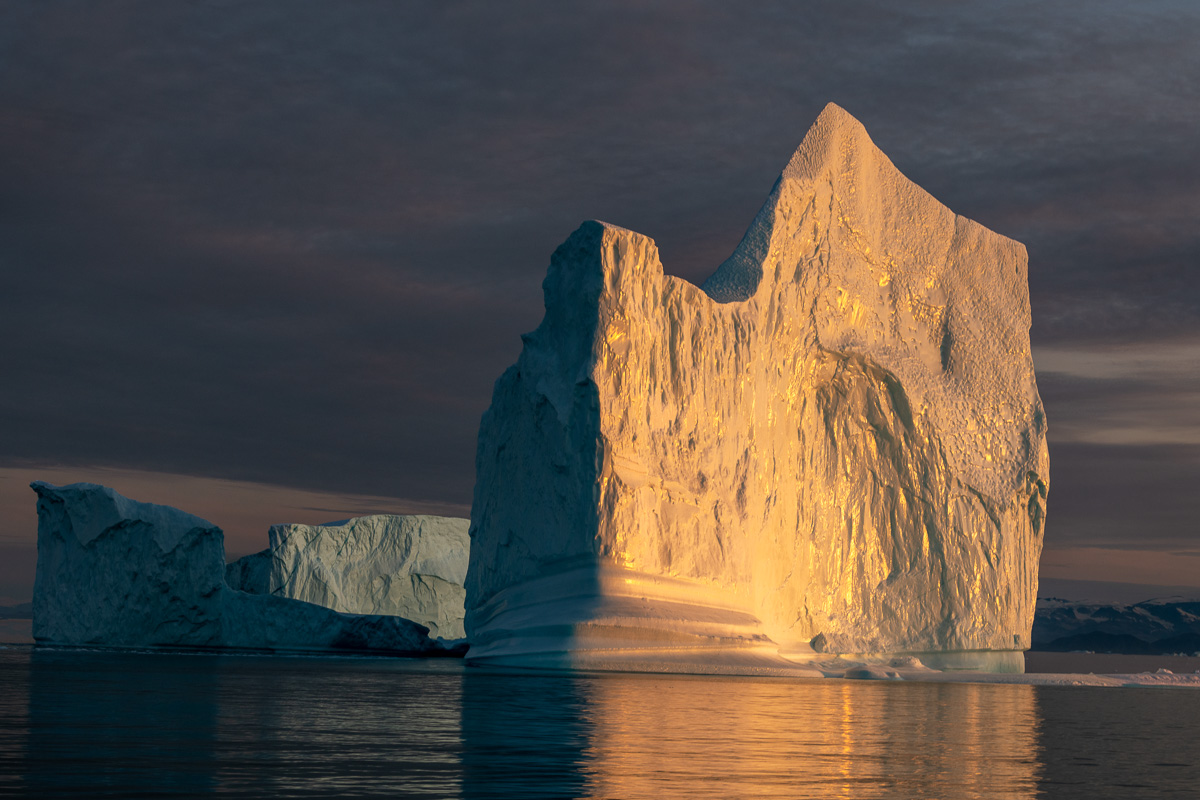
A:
[836, 446]
[115, 572]
[408, 566]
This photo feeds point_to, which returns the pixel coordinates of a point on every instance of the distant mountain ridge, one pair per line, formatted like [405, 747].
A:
[1160, 626]
[19, 611]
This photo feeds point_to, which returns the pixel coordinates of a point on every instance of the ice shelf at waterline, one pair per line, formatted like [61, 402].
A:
[410, 566]
[836, 445]
[114, 572]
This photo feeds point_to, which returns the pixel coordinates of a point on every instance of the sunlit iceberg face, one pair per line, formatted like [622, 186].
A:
[834, 447]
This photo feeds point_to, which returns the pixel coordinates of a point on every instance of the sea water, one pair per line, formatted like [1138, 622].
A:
[107, 724]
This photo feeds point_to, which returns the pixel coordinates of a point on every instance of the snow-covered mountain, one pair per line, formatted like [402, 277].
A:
[1166, 625]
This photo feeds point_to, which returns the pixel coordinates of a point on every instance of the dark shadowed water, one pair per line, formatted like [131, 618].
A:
[94, 724]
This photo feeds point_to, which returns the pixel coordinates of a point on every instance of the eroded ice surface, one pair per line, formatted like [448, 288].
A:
[411, 566]
[115, 572]
[836, 445]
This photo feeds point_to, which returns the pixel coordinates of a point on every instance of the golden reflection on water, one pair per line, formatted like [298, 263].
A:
[653, 736]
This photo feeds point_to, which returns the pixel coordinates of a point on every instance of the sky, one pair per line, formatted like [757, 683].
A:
[265, 261]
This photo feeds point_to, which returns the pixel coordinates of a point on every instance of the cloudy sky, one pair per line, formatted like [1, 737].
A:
[265, 261]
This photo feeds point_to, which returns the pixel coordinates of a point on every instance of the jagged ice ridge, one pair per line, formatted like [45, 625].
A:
[835, 446]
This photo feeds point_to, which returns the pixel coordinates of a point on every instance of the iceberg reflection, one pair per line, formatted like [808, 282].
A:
[84, 724]
[633, 736]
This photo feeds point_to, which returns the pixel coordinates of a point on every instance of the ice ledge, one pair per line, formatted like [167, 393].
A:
[93, 510]
[606, 618]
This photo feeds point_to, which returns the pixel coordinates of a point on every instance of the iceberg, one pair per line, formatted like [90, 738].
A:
[411, 566]
[834, 447]
[114, 572]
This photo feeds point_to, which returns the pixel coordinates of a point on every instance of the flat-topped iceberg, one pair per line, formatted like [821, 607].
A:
[409, 566]
[835, 446]
[118, 573]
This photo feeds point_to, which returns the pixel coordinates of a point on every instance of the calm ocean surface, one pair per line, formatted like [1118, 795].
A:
[93, 724]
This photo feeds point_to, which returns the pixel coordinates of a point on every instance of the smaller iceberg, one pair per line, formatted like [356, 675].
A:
[411, 566]
[114, 572]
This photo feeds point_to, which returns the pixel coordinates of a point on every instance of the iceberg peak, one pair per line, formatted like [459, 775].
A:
[838, 440]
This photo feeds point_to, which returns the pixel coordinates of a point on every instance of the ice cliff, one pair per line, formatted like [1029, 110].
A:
[119, 573]
[836, 445]
[408, 566]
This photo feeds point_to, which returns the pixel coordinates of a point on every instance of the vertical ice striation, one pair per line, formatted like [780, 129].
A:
[837, 443]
